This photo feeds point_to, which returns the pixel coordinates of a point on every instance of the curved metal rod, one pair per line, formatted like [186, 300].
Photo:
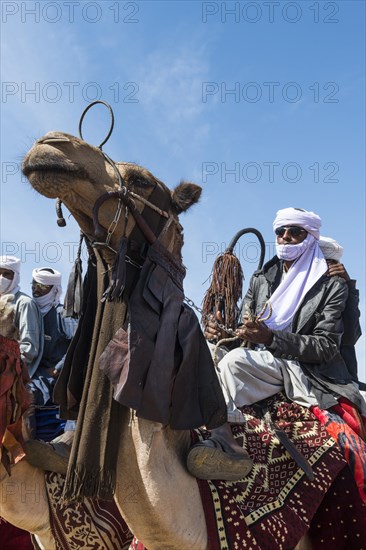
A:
[112, 120]
[61, 222]
[99, 231]
[259, 236]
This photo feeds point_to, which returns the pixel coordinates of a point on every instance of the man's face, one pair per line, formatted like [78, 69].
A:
[290, 234]
[7, 273]
[39, 290]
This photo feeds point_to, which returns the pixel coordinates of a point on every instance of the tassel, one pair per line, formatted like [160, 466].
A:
[74, 293]
[118, 280]
[225, 290]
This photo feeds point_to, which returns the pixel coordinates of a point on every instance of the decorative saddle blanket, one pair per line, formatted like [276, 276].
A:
[272, 508]
[276, 504]
[93, 524]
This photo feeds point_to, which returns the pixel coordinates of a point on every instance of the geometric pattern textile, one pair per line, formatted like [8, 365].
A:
[273, 506]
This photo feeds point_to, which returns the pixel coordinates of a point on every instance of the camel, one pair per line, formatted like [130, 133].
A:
[61, 165]
[23, 491]
[157, 497]
[25, 488]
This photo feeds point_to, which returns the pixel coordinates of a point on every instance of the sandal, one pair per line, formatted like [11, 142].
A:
[214, 459]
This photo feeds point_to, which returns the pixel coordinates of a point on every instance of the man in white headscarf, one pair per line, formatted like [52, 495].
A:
[58, 332]
[293, 318]
[333, 253]
[28, 318]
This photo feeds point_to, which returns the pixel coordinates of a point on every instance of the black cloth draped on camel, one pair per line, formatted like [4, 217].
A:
[157, 360]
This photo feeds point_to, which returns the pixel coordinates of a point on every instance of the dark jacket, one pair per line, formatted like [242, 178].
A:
[316, 334]
[352, 329]
[58, 332]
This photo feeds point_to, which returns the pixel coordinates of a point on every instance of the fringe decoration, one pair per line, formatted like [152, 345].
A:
[118, 280]
[225, 290]
[83, 483]
[74, 293]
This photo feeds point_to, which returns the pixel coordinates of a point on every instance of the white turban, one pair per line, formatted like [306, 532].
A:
[12, 263]
[52, 298]
[45, 277]
[295, 216]
[331, 249]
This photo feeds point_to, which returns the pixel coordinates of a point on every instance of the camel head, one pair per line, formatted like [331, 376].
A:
[61, 165]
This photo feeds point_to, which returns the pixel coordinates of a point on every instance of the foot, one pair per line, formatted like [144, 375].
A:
[215, 459]
[42, 455]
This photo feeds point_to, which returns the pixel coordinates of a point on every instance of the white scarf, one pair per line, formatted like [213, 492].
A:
[308, 267]
[10, 286]
[52, 298]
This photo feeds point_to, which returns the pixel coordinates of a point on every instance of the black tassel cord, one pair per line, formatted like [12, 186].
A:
[118, 279]
[74, 292]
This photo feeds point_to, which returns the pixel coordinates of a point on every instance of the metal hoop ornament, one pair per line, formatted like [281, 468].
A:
[112, 120]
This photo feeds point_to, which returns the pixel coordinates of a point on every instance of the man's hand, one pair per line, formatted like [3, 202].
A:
[338, 269]
[212, 331]
[255, 332]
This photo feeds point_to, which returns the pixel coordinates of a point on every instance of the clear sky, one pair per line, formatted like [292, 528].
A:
[261, 103]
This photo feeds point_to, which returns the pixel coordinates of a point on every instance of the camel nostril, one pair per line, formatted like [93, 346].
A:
[51, 140]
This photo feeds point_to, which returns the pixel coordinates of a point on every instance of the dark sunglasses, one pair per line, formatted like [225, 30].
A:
[40, 285]
[293, 230]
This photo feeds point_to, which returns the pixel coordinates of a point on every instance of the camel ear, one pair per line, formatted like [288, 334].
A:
[184, 195]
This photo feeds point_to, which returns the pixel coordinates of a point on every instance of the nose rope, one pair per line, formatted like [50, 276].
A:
[112, 121]
[123, 191]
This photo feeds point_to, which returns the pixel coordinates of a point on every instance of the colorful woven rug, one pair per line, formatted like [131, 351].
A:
[347, 427]
[93, 524]
[14, 401]
[273, 506]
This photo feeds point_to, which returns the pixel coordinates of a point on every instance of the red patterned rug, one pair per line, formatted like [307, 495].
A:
[14, 377]
[273, 506]
[340, 522]
[271, 509]
[93, 524]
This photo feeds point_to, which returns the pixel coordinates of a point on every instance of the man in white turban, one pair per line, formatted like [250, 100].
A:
[58, 332]
[293, 318]
[28, 318]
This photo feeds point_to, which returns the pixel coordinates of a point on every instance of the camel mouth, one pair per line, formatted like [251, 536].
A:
[33, 168]
[52, 180]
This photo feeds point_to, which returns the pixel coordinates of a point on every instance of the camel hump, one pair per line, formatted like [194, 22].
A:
[184, 195]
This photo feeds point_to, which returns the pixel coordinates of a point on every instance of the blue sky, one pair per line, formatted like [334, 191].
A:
[261, 103]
